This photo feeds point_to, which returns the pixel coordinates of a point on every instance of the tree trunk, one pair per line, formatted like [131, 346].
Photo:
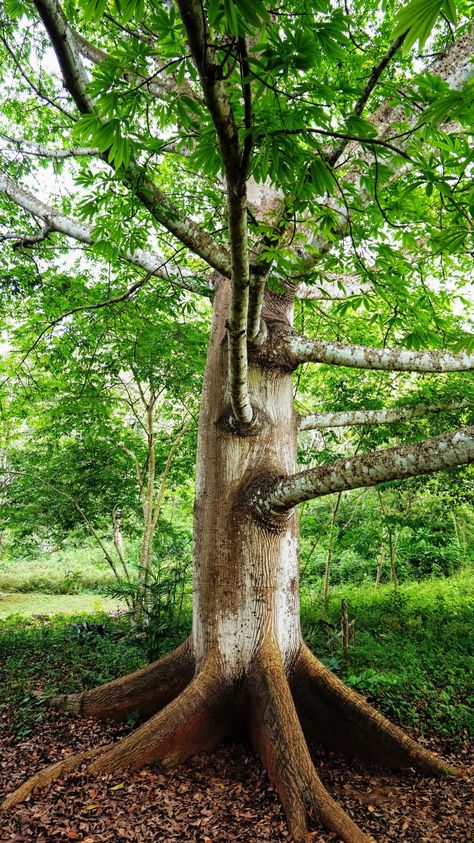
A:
[245, 576]
[245, 667]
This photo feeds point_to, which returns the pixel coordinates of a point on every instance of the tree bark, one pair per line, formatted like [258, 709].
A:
[245, 577]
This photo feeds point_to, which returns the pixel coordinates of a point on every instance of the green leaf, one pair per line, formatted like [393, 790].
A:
[321, 177]
[15, 8]
[419, 17]
[94, 9]
[231, 16]
[362, 128]
[214, 11]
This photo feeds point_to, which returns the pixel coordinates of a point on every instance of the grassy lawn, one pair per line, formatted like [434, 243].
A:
[27, 605]
[67, 571]
[413, 653]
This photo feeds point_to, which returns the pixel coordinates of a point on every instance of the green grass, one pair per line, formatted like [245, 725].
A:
[65, 654]
[67, 571]
[55, 604]
[413, 653]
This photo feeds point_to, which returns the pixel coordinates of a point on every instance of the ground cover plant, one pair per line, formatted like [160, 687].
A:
[289, 188]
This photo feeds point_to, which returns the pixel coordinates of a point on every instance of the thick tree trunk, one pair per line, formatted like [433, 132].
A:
[245, 667]
[245, 576]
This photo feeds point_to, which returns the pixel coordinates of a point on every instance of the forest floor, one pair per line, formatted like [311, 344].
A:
[219, 798]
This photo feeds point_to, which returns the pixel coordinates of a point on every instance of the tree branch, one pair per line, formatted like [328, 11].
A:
[272, 499]
[39, 150]
[34, 87]
[386, 416]
[455, 68]
[182, 227]
[23, 241]
[368, 89]
[70, 62]
[305, 130]
[304, 350]
[220, 109]
[151, 262]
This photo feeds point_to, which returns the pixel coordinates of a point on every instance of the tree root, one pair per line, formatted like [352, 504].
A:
[145, 691]
[50, 774]
[195, 721]
[210, 709]
[339, 718]
[277, 737]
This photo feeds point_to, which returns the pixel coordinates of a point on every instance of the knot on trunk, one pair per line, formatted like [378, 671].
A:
[260, 421]
[253, 500]
[275, 352]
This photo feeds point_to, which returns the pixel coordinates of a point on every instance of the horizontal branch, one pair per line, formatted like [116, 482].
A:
[25, 241]
[304, 350]
[156, 85]
[41, 151]
[150, 261]
[317, 421]
[436, 454]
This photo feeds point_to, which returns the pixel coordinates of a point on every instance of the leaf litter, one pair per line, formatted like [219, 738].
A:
[223, 797]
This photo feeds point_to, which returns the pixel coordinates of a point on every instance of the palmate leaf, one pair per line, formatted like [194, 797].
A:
[321, 177]
[93, 9]
[107, 136]
[418, 18]
[237, 18]
[127, 10]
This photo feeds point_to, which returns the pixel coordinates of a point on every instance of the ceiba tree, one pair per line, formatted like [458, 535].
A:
[260, 156]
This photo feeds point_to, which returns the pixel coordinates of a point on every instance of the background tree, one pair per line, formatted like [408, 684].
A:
[258, 157]
[99, 433]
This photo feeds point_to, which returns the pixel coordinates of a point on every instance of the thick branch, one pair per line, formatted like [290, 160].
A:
[387, 416]
[70, 61]
[235, 163]
[41, 151]
[436, 454]
[304, 350]
[162, 209]
[151, 262]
